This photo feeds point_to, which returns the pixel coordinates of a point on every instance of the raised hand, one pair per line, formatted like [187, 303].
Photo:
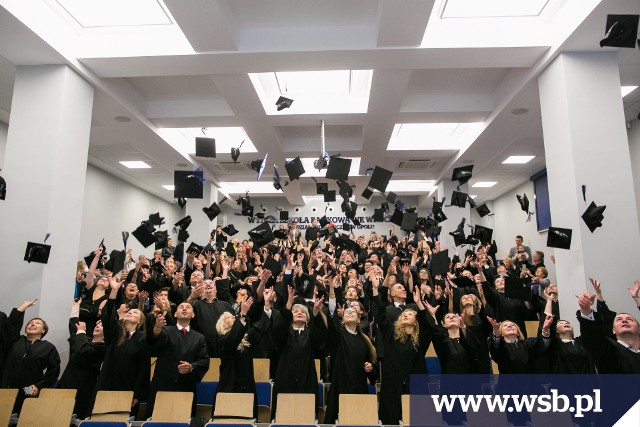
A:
[635, 290]
[597, 286]
[340, 310]
[368, 367]
[548, 321]
[417, 297]
[27, 304]
[495, 325]
[161, 322]
[246, 305]
[585, 301]
[317, 306]
[81, 326]
[432, 310]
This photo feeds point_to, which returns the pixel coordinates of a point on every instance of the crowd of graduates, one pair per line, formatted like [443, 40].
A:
[367, 307]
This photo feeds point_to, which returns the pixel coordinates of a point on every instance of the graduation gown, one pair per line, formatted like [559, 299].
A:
[81, 373]
[27, 363]
[518, 357]
[349, 353]
[207, 315]
[125, 367]
[171, 347]
[296, 371]
[401, 359]
[454, 354]
[506, 308]
[569, 357]
[476, 338]
[610, 356]
[9, 331]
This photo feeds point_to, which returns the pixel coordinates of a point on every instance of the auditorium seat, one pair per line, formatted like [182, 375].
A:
[296, 408]
[112, 406]
[172, 406]
[234, 408]
[358, 410]
[7, 400]
[51, 412]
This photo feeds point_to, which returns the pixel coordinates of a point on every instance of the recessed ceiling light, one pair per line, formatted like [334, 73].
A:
[520, 160]
[252, 186]
[135, 165]
[492, 8]
[626, 90]
[433, 136]
[169, 187]
[122, 119]
[484, 184]
[107, 13]
[519, 111]
[402, 186]
[473, 196]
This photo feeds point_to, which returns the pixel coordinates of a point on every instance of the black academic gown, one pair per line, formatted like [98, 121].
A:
[207, 315]
[610, 356]
[454, 354]
[171, 347]
[9, 332]
[349, 353]
[569, 357]
[401, 359]
[518, 357]
[506, 308]
[296, 371]
[477, 334]
[81, 373]
[27, 363]
[126, 367]
[236, 366]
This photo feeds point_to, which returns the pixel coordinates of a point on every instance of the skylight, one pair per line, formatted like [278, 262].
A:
[307, 162]
[492, 8]
[116, 13]
[226, 139]
[260, 187]
[412, 186]
[434, 136]
[169, 187]
[135, 165]
[484, 184]
[517, 160]
[315, 92]
[626, 90]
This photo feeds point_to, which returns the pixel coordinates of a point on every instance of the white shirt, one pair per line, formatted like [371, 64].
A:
[624, 344]
[188, 328]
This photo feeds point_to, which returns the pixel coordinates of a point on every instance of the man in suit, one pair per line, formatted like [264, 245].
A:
[311, 233]
[519, 248]
[182, 356]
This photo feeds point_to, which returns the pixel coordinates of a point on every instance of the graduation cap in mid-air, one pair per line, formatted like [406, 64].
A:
[621, 31]
[593, 216]
[283, 103]
[559, 238]
[462, 174]
[524, 205]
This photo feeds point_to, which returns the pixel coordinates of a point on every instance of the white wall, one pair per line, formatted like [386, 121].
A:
[510, 221]
[634, 153]
[112, 206]
[4, 129]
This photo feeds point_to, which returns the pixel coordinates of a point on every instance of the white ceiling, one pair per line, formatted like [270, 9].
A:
[193, 73]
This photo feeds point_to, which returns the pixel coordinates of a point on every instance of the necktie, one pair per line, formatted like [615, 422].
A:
[184, 331]
[402, 307]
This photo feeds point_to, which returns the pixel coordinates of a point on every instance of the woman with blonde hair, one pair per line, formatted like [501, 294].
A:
[405, 343]
[126, 366]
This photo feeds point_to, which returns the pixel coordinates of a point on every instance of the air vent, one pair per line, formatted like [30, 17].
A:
[232, 167]
[416, 164]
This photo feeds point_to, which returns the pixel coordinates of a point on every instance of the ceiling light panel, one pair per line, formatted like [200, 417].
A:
[434, 136]
[626, 90]
[484, 184]
[116, 13]
[492, 8]
[135, 165]
[411, 186]
[169, 187]
[315, 92]
[517, 160]
[253, 187]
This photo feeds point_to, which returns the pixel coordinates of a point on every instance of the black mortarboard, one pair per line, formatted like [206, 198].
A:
[260, 215]
[431, 227]
[321, 187]
[161, 239]
[183, 236]
[194, 247]
[212, 211]
[483, 234]
[367, 193]
[483, 210]
[459, 199]
[516, 288]
[440, 263]
[184, 222]
[89, 258]
[391, 197]
[188, 184]
[439, 216]
[470, 240]
[378, 215]
[271, 264]
[37, 252]
[144, 235]
[156, 219]
[344, 241]
[593, 216]
[230, 250]
[115, 264]
[259, 165]
[182, 202]
[338, 168]
[283, 103]
[472, 203]
[559, 238]
[284, 215]
[464, 282]
[524, 202]
[346, 226]
[462, 174]
[380, 179]
[261, 235]
[345, 189]
[280, 234]
[230, 230]
[458, 236]
[205, 147]
[397, 217]
[323, 221]
[294, 168]
[621, 31]
[3, 188]
[409, 221]
[349, 208]
[330, 196]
